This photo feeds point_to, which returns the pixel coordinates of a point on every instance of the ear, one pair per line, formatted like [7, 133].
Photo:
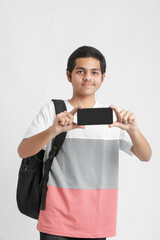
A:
[68, 76]
[103, 76]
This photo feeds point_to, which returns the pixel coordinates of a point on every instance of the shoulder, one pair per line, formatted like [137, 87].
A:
[48, 107]
[48, 111]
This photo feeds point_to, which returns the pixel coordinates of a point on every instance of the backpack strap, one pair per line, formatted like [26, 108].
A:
[57, 143]
[59, 139]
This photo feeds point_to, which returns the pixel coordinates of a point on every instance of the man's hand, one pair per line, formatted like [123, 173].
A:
[126, 120]
[64, 121]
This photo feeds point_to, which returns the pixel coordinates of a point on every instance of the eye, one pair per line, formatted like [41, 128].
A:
[95, 73]
[80, 71]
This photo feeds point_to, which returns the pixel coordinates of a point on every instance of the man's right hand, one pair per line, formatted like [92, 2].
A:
[64, 121]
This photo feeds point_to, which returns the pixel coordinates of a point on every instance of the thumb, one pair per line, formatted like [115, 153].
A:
[115, 124]
[78, 126]
[74, 110]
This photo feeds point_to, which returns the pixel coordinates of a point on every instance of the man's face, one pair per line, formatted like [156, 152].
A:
[86, 76]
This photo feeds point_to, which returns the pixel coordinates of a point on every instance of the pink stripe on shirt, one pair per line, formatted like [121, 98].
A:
[79, 212]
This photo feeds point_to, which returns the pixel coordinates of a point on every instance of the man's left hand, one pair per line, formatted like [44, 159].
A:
[126, 120]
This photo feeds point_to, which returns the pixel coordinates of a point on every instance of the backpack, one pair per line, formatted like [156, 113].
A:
[32, 181]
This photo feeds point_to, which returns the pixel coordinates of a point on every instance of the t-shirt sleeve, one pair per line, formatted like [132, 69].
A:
[125, 142]
[42, 121]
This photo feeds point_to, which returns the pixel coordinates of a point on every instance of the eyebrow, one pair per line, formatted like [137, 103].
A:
[96, 69]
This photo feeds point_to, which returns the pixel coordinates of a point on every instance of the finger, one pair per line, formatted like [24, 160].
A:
[74, 110]
[115, 124]
[67, 121]
[121, 115]
[59, 118]
[131, 118]
[125, 118]
[79, 126]
[63, 120]
[116, 110]
[70, 116]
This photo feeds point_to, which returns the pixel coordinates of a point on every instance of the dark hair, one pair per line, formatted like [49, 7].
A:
[84, 52]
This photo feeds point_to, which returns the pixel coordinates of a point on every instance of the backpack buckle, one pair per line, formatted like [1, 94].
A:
[54, 148]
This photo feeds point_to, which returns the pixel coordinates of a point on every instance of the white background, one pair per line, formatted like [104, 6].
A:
[36, 39]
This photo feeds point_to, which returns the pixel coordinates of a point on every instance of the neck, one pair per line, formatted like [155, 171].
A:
[84, 103]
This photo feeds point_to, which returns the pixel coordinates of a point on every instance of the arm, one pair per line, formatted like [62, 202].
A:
[141, 147]
[126, 120]
[62, 123]
[32, 145]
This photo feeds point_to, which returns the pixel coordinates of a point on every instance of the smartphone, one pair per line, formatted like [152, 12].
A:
[94, 116]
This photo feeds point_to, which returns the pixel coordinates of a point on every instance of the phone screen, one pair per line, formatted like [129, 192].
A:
[94, 116]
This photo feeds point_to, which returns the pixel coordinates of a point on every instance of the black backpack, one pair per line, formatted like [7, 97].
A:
[32, 182]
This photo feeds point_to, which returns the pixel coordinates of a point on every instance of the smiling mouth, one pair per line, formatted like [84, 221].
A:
[87, 85]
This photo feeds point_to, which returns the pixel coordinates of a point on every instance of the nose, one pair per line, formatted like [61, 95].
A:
[87, 76]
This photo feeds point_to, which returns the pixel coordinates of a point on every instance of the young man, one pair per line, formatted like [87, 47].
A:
[82, 193]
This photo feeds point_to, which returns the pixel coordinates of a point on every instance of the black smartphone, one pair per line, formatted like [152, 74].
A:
[94, 116]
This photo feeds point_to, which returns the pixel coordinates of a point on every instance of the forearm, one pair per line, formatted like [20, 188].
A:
[141, 147]
[32, 145]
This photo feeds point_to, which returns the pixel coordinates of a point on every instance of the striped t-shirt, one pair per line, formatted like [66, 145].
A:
[82, 193]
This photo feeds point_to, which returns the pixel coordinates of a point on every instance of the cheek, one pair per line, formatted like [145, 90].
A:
[77, 82]
[98, 81]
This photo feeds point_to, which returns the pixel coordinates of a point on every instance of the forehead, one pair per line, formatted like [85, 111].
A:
[88, 62]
